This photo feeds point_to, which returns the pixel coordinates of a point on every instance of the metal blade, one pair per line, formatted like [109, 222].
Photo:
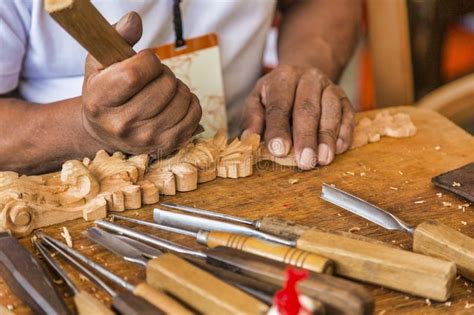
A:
[116, 245]
[147, 250]
[194, 223]
[364, 209]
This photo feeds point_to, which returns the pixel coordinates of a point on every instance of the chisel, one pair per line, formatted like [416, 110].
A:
[86, 304]
[285, 254]
[368, 261]
[431, 237]
[338, 296]
[127, 302]
[259, 289]
[27, 279]
[201, 290]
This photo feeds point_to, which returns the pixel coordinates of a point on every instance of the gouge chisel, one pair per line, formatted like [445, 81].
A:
[27, 279]
[86, 304]
[431, 237]
[201, 290]
[126, 302]
[285, 254]
[259, 289]
[368, 261]
[338, 296]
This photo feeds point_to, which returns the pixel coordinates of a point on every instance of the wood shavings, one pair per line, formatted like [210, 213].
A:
[402, 246]
[65, 234]
[362, 174]
[353, 229]
[293, 181]
[456, 184]
[463, 222]
[350, 173]
[428, 302]
[447, 204]
[448, 303]
[419, 202]
[382, 312]
[393, 188]
[10, 307]
[58, 280]
[400, 172]
[83, 278]
[439, 195]
[437, 148]
[468, 305]
[339, 214]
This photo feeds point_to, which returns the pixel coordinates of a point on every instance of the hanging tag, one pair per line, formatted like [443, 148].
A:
[198, 65]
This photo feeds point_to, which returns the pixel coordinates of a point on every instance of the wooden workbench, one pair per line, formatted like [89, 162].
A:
[393, 174]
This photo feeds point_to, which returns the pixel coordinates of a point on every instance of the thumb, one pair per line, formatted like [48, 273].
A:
[130, 27]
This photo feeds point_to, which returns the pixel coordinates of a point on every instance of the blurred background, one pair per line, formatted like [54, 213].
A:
[418, 52]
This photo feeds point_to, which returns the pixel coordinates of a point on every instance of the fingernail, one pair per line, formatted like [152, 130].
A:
[277, 147]
[307, 159]
[339, 146]
[324, 154]
[123, 21]
[244, 134]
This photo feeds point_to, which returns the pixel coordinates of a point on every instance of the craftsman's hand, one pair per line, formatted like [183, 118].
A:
[137, 105]
[300, 106]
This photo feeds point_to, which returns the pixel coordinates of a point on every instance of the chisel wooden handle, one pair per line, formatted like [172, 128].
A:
[160, 299]
[384, 265]
[86, 304]
[338, 296]
[285, 254]
[438, 240]
[88, 27]
[127, 303]
[200, 289]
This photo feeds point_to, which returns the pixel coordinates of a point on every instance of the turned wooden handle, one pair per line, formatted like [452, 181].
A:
[438, 240]
[338, 296]
[88, 27]
[160, 299]
[383, 265]
[278, 252]
[200, 289]
[86, 304]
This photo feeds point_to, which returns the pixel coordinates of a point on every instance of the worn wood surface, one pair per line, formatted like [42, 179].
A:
[393, 173]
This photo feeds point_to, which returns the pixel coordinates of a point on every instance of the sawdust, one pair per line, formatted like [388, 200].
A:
[67, 237]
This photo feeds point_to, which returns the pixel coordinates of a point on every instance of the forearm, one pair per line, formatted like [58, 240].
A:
[319, 33]
[39, 138]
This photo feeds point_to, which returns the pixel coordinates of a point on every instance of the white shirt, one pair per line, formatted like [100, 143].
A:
[40, 59]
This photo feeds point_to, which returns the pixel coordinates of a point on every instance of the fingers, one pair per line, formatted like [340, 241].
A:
[130, 28]
[306, 115]
[116, 84]
[331, 112]
[344, 139]
[254, 113]
[277, 97]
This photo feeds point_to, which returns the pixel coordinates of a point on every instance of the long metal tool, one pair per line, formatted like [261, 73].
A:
[253, 245]
[124, 302]
[338, 295]
[194, 223]
[430, 238]
[359, 258]
[86, 304]
[189, 283]
[27, 280]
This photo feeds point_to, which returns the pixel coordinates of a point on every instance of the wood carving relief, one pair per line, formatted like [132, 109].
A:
[89, 189]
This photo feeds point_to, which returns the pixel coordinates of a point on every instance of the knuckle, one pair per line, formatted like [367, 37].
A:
[131, 77]
[118, 128]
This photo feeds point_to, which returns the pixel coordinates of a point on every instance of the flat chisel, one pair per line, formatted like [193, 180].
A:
[127, 302]
[430, 237]
[86, 304]
[199, 289]
[27, 279]
[368, 261]
[285, 254]
[338, 296]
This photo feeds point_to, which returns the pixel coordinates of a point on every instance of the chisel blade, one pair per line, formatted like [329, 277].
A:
[25, 277]
[115, 245]
[363, 208]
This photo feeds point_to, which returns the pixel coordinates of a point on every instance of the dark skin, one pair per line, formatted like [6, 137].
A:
[296, 103]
